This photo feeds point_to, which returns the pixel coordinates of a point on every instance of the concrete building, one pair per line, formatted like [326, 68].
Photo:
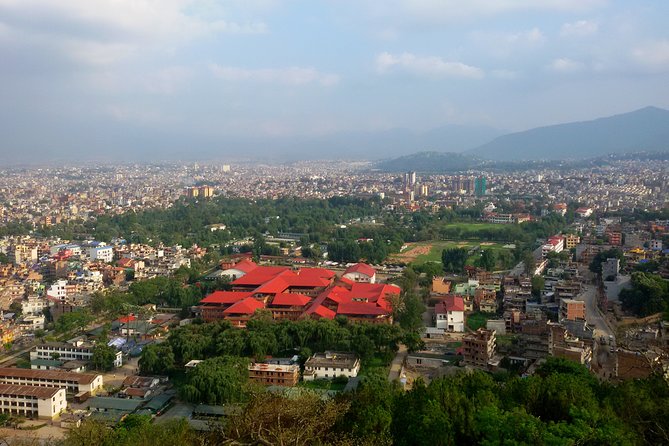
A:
[33, 305]
[611, 268]
[72, 382]
[64, 351]
[450, 314]
[286, 375]
[360, 272]
[330, 365]
[478, 348]
[102, 253]
[572, 310]
[571, 240]
[32, 401]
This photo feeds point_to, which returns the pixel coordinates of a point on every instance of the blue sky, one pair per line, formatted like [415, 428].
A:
[103, 74]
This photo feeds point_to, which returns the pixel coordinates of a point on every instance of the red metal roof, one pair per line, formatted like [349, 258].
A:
[361, 268]
[450, 303]
[246, 306]
[360, 309]
[321, 311]
[291, 300]
[224, 297]
[245, 266]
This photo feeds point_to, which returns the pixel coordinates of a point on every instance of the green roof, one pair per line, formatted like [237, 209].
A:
[159, 401]
[110, 403]
[46, 362]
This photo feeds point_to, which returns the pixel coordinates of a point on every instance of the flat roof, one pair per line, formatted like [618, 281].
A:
[81, 378]
[36, 391]
[120, 404]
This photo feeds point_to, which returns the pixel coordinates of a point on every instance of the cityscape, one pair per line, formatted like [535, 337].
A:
[334, 223]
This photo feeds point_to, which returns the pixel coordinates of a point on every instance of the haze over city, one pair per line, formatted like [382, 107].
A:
[144, 80]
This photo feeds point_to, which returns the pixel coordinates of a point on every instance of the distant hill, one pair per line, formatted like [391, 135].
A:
[645, 129]
[430, 162]
[374, 145]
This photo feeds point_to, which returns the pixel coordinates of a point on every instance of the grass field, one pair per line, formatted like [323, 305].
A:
[474, 226]
[436, 247]
[478, 320]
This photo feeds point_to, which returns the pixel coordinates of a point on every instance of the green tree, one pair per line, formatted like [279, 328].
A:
[488, 259]
[103, 357]
[454, 259]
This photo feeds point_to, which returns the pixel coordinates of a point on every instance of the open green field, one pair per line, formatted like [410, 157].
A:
[439, 245]
[473, 227]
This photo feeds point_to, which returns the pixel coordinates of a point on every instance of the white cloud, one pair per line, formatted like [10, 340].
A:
[579, 28]
[84, 29]
[435, 11]
[426, 66]
[566, 65]
[285, 76]
[653, 55]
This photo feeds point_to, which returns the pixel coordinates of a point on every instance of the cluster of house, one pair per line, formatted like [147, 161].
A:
[286, 372]
[47, 273]
[289, 293]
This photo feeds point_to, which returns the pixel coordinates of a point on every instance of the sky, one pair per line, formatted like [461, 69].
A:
[104, 77]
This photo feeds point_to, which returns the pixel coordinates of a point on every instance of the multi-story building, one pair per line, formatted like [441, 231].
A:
[330, 365]
[562, 344]
[275, 374]
[22, 253]
[554, 244]
[478, 348]
[571, 240]
[102, 253]
[32, 401]
[72, 382]
[450, 314]
[572, 310]
[68, 352]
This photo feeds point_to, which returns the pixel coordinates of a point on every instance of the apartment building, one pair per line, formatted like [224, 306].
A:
[72, 382]
[572, 310]
[68, 352]
[478, 348]
[330, 365]
[286, 375]
[31, 401]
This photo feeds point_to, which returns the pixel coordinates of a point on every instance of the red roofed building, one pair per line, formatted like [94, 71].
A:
[449, 314]
[291, 294]
[213, 306]
[288, 305]
[239, 313]
[360, 272]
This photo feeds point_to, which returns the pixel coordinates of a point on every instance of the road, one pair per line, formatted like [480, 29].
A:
[593, 316]
[398, 362]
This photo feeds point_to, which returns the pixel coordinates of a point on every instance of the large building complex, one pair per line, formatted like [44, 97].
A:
[306, 292]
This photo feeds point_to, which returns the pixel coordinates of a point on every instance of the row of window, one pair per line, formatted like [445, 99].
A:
[18, 404]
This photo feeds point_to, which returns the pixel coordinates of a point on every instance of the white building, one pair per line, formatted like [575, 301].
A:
[330, 365]
[68, 352]
[655, 245]
[32, 322]
[33, 305]
[450, 314]
[32, 401]
[72, 382]
[554, 244]
[102, 253]
[58, 290]
[360, 272]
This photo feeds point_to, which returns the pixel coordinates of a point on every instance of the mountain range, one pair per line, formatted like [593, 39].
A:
[646, 129]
